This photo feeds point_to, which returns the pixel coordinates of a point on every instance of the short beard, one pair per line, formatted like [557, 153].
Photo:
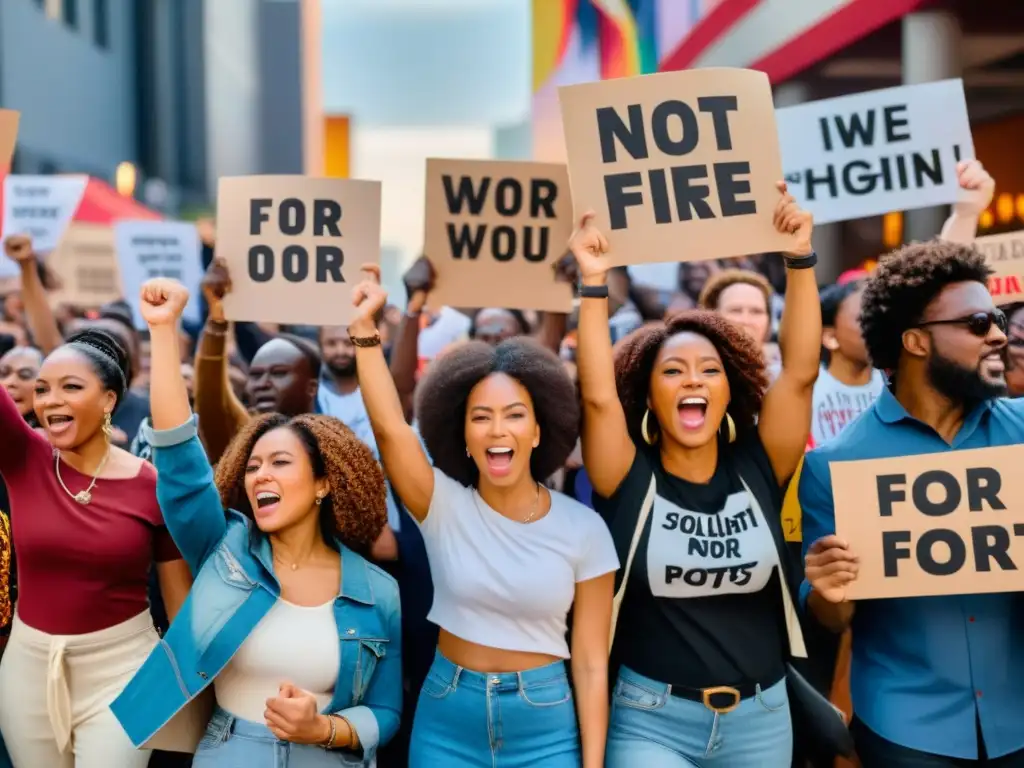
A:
[960, 384]
[345, 371]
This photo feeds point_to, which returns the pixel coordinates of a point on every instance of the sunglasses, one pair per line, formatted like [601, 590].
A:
[979, 323]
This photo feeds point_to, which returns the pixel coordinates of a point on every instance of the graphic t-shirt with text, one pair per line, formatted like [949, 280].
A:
[703, 602]
[836, 404]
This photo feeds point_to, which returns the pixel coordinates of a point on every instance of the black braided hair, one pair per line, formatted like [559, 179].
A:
[108, 357]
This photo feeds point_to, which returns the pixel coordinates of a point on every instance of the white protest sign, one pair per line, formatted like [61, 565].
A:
[40, 207]
[871, 153]
[148, 249]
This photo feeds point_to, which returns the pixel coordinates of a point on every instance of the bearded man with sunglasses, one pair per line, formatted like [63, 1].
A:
[936, 682]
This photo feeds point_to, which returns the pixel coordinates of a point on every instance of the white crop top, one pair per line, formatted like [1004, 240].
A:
[505, 584]
[293, 644]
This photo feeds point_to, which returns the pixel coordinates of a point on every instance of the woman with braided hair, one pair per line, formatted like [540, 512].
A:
[687, 449]
[298, 635]
[89, 530]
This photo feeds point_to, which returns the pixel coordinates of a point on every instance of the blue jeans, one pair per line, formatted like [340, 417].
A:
[467, 719]
[233, 743]
[652, 728]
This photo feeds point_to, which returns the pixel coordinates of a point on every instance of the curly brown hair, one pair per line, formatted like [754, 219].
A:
[906, 281]
[715, 286]
[355, 510]
[741, 358]
[444, 390]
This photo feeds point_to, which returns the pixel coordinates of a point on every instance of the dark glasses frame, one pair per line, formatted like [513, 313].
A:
[978, 323]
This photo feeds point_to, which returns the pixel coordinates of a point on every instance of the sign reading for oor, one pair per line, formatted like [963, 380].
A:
[494, 231]
[679, 166]
[1005, 255]
[871, 153]
[148, 249]
[938, 524]
[294, 246]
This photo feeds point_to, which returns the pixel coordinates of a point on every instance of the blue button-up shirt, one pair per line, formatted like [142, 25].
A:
[925, 670]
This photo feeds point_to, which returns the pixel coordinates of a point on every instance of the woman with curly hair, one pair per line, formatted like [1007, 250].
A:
[687, 453]
[299, 635]
[508, 557]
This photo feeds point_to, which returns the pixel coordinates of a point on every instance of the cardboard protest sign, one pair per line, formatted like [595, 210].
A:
[41, 207]
[9, 119]
[294, 246]
[148, 249]
[85, 262]
[1005, 254]
[870, 153]
[939, 524]
[678, 166]
[494, 231]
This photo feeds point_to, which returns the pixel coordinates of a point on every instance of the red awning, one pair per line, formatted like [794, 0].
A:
[102, 204]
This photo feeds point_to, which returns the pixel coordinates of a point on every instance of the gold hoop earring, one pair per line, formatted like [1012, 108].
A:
[729, 428]
[645, 432]
[108, 427]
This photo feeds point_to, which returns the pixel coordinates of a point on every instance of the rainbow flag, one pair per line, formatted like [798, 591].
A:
[628, 43]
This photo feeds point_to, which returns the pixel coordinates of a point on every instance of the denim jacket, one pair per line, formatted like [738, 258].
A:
[234, 588]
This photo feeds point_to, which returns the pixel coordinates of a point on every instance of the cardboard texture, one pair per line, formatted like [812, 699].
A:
[9, 120]
[86, 264]
[938, 524]
[1005, 254]
[678, 166]
[294, 246]
[494, 231]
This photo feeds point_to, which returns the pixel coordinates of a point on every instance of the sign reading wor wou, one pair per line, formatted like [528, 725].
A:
[494, 231]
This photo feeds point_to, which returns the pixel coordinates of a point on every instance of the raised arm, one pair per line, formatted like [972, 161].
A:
[185, 487]
[419, 281]
[785, 420]
[41, 320]
[220, 413]
[979, 186]
[405, 462]
[608, 450]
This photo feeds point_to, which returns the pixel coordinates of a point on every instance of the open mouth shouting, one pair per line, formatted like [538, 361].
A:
[267, 502]
[692, 412]
[499, 460]
[59, 423]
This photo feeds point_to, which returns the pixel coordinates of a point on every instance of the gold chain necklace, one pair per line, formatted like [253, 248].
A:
[82, 497]
[529, 518]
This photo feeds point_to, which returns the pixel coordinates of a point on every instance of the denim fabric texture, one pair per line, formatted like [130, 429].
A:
[234, 588]
[467, 719]
[652, 728]
[234, 743]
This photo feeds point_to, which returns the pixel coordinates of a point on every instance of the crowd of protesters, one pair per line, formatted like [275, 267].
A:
[408, 541]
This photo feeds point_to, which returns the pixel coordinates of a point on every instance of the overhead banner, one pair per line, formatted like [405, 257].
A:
[871, 153]
[294, 246]
[86, 264]
[1005, 254]
[40, 207]
[148, 249]
[679, 166]
[494, 231]
[939, 524]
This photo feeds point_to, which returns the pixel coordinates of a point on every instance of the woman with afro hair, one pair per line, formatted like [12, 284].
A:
[299, 635]
[687, 453]
[508, 557]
